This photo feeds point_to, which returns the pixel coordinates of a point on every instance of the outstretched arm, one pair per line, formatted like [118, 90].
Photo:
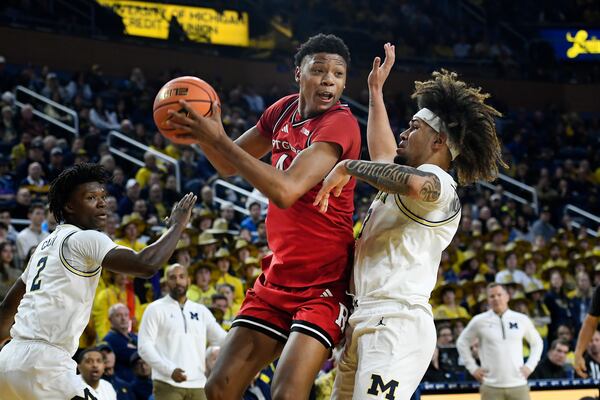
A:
[389, 178]
[380, 138]
[152, 258]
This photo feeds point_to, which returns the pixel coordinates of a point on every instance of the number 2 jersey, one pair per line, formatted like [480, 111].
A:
[309, 248]
[61, 280]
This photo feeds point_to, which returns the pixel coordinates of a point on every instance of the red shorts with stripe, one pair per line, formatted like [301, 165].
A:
[320, 312]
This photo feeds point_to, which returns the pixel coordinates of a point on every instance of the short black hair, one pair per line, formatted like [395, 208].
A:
[218, 296]
[88, 350]
[562, 342]
[322, 43]
[67, 182]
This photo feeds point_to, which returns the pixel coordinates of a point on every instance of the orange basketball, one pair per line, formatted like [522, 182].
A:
[199, 95]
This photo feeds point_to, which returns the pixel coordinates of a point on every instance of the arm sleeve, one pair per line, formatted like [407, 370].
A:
[215, 335]
[339, 127]
[594, 310]
[536, 344]
[147, 336]
[85, 250]
[463, 345]
[268, 119]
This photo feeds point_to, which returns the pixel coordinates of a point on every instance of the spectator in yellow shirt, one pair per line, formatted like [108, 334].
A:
[250, 270]
[224, 263]
[201, 289]
[232, 308]
[114, 293]
[207, 246]
[129, 232]
[143, 174]
[450, 309]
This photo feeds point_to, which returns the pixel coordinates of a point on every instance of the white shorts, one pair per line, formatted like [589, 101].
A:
[32, 369]
[388, 349]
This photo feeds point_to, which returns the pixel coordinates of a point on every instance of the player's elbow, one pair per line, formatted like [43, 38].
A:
[148, 273]
[145, 269]
[281, 202]
[414, 191]
[285, 199]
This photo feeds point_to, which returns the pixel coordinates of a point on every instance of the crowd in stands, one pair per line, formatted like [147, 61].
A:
[549, 267]
[488, 38]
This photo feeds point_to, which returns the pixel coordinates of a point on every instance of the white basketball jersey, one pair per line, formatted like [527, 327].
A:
[399, 248]
[61, 280]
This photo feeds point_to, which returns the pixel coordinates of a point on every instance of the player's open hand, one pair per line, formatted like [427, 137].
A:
[380, 72]
[334, 181]
[207, 130]
[183, 210]
[580, 367]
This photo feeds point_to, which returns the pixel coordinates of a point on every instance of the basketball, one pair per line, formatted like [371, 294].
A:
[199, 95]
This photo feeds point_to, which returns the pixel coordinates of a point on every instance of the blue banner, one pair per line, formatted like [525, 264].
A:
[574, 44]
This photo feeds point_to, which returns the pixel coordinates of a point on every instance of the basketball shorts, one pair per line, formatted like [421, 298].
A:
[388, 349]
[320, 312]
[31, 369]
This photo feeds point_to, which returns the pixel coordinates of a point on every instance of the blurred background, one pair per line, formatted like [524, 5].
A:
[77, 82]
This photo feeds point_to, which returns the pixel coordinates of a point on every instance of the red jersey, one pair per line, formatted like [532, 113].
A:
[309, 248]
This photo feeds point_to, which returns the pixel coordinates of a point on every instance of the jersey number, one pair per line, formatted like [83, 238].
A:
[380, 196]
[37, 281]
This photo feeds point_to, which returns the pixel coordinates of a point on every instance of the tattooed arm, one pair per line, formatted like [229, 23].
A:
[396, 179]
[389, 178]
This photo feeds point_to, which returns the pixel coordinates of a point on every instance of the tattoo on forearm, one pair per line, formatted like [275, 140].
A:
[394, 179]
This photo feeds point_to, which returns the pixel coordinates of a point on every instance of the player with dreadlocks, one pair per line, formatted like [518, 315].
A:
[391, 335]
[50, 305]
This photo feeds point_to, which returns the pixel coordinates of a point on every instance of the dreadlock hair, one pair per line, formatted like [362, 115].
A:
[470, 123]
[322, 43]
[68, 180]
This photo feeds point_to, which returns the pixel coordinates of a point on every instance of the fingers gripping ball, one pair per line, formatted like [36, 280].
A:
[196, 92]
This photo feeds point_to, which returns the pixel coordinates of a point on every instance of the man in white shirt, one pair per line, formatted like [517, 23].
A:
[32, 235]
[91, 368]
[502, 373]
[173, 338]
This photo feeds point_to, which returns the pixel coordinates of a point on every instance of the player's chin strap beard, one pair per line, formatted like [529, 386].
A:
[439, 126]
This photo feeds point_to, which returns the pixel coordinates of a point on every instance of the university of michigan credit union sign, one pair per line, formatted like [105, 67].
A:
[203, 25]
[574, 44]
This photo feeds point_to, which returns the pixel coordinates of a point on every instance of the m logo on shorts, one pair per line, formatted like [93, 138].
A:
[378, 386]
